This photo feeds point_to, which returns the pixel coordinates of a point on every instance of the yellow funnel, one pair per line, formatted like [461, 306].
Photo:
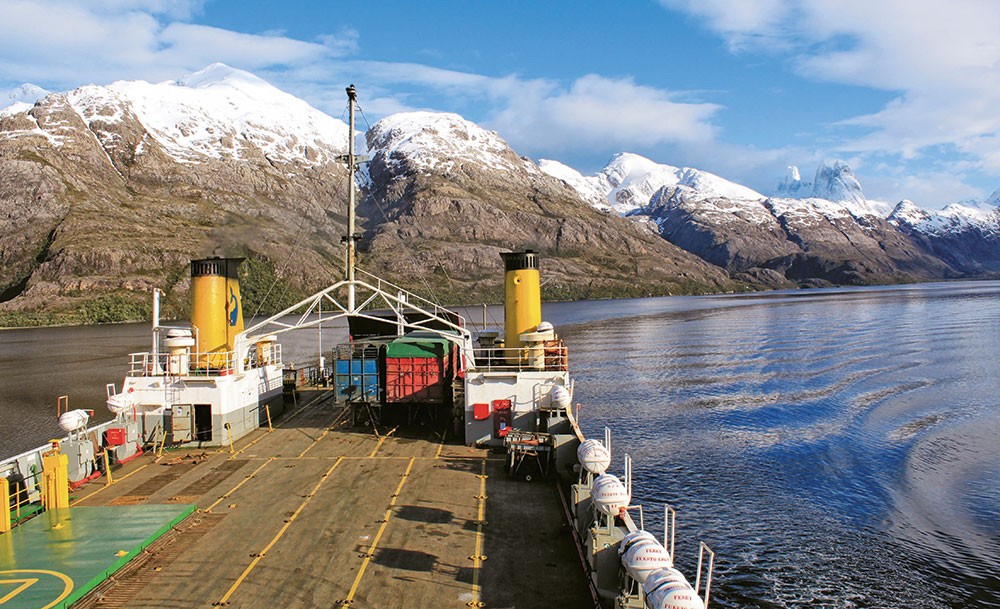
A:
[216, 309]
[522, 296]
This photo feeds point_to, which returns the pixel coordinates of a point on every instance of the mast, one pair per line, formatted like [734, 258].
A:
[352, 97]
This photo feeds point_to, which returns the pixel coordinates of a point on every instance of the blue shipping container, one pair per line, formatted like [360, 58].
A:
[356, 380]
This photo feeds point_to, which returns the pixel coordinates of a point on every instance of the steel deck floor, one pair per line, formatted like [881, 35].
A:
[316, 514]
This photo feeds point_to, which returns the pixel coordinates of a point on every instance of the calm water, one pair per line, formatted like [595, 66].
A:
[836, 448]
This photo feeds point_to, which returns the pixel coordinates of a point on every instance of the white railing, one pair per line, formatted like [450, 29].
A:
[552, 356]
[212, 363]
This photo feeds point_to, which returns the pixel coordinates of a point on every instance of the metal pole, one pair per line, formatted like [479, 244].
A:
[156, 327]
[352, 96]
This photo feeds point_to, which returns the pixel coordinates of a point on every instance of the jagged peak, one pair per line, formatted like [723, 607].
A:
[440, 140]
[835, 181]
[26, 94]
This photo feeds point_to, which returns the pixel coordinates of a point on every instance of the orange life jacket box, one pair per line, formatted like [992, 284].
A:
[114, 436]
[501, 418]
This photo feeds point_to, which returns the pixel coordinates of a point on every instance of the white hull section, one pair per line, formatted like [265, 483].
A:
[198, 408]
[489, 393]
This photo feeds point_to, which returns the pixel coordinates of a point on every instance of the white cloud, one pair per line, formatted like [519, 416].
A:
[941, 58]
[109, 40]
[595, 110]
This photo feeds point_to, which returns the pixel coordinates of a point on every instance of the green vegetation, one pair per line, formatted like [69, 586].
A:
[263, 291]
[115, 307]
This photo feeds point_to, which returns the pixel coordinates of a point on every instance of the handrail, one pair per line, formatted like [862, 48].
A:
[145, 363]
[553, 357]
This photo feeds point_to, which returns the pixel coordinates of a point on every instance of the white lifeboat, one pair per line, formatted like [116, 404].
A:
[610, 495]
[644, 558]
[120, 402]
[593, 456]
[560, 397]
[73, 420]
[633, 538]
[669, 589]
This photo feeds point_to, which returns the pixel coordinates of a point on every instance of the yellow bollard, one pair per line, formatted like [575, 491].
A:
[55, 480]
[163, 440]
[229, 430]
[267, 410]
[5, 502]
[107, 470]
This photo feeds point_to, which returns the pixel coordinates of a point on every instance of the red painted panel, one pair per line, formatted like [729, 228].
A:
[415, 379]
[480, 412]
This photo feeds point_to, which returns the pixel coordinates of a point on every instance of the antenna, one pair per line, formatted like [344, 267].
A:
[352, 161]
[607, 439]
[352, 97]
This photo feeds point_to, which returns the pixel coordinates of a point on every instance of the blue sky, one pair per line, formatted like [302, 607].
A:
[905, 91]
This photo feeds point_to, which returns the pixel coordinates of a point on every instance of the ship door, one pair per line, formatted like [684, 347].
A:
[203, 422]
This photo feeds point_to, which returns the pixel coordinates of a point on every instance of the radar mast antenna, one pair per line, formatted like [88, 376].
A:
[352, 97]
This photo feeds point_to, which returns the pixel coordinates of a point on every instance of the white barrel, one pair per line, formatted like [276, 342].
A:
[669, 589]
[120, 402]
[633, 538]
[609, 494]
[646, 557]
[593, 457]
[73, 420]
[560, 397]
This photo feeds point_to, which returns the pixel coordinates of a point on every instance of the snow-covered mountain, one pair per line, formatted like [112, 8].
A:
[629, 181]
[218, 112]
[22, 97]
[442, 142]
[955, 218]
[110, 189]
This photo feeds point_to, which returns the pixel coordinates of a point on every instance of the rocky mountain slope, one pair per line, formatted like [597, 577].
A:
[107, 192]
[447, 196]
[966, 236]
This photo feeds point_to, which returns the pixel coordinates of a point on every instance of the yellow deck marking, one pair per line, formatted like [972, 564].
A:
[378, 535]
[25, 584]
[235, 488]
[377, 446]
[480, 517]
[85, 497]
[67, 584]
[291, 519]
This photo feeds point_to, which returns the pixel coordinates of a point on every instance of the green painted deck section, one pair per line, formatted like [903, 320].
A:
[58, 556]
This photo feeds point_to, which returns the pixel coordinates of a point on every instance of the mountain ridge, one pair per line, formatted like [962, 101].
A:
[106, 192]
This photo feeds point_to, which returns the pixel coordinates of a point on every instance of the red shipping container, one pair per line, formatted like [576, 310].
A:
[416, 379]
[115, 436]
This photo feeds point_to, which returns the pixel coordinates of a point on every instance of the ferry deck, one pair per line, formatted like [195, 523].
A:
[318, 514]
